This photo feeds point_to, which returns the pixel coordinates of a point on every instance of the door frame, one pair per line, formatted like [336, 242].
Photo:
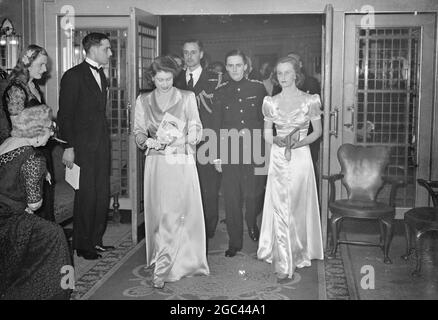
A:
[136, 156]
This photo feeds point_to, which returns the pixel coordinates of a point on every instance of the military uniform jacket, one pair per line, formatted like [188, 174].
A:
[239, 106]
[204, 90]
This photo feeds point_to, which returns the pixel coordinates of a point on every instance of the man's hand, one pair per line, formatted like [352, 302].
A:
[68, 158]
[218, 165]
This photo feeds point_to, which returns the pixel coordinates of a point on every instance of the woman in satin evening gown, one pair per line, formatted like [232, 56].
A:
[174, 218]
[290, 234]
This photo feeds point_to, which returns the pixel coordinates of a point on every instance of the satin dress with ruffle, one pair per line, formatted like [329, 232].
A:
[174, 218]
[290, 235]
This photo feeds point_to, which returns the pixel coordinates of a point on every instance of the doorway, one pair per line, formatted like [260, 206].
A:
[264, 38]
[388, 95]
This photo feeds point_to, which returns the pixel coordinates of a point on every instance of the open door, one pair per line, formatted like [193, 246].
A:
[326, 80]
[144, 45]
[388, 95]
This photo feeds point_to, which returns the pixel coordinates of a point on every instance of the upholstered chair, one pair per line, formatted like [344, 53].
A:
[363, 176]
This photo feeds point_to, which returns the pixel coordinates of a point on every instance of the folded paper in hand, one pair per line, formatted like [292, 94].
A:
[170, 128]
[290, 139]
[72, 176]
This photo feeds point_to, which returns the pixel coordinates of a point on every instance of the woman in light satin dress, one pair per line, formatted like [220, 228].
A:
[174, 218]
[290, 234]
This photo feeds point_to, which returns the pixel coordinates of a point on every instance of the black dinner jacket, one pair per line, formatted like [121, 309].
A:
[207, 82]
[82, 108]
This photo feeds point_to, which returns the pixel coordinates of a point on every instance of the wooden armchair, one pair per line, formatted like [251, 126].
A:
[362, 174]
[419, 221]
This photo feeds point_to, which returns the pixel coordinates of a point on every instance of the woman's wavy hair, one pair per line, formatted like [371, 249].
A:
[299, 80]
[32, 122]
[21, 70]
[162, 63]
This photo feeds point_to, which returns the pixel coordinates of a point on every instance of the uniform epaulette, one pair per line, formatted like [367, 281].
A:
[223, 84]
[256, 81]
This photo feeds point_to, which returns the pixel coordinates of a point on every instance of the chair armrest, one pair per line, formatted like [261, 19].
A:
[395, 182]
[430, 185]
[331, 179]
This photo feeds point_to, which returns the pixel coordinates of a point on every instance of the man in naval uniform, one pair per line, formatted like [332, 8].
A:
[239, 113]
[203, 83]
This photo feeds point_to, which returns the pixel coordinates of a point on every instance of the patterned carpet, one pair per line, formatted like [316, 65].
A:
[120, 274]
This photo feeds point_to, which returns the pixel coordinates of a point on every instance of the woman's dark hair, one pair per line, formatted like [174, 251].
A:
[164, 63]
[266, 70]
[299, 80]
[93, 39]
[236, 52]
[27, 57]
[216, 64]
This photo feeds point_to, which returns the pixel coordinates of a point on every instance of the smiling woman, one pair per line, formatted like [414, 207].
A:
[23, 92]
[174, 219]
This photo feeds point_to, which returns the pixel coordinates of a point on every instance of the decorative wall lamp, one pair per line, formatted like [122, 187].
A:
[9, 45]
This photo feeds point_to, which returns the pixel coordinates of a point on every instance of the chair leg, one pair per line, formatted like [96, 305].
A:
[116, 206]
[418, 253]
[335, 228]
[382, 235]
[388, 238]
[408, 236]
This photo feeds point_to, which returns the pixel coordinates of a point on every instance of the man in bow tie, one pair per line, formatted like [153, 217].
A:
[83, 124]
[203, 83]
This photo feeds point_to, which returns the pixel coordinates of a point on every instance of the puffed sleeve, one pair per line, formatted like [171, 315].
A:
[34, 171]
[314, 107]
[140, 131]
[268, 109]
[194, 126]
[15, 98]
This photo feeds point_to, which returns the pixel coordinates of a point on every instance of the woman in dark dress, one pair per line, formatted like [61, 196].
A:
[23, 92]
[32, 250]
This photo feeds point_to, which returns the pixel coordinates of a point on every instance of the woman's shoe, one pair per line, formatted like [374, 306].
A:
[158, 284]
[283, 278]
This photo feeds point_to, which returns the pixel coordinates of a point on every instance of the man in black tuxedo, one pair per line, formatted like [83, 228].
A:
[83, 124]
[203, 83]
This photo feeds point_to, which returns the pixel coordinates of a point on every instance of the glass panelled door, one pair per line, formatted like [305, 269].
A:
[388, 92]
[144, 40]
[71, 53]
[117, 103]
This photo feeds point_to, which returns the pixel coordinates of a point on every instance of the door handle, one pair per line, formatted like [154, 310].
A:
[351, 124]
[335, 114]
[128, 117]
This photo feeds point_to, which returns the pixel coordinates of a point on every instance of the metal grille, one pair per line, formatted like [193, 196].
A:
[117, 100]
[147, 50]
[387, 73]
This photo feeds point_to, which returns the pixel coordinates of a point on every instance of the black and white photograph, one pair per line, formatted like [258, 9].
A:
[218, 155]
